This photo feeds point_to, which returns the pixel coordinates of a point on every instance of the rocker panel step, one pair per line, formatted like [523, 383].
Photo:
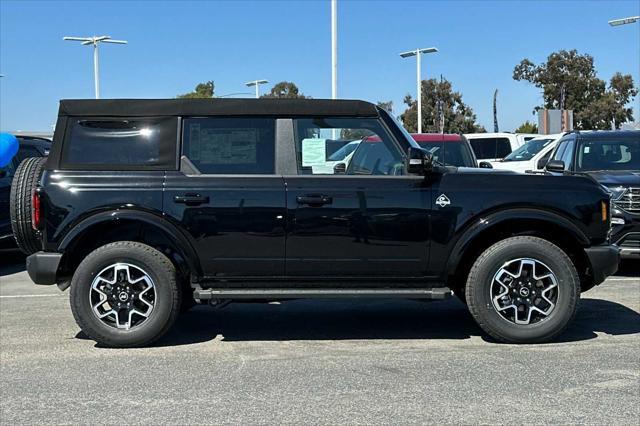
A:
[306, 293]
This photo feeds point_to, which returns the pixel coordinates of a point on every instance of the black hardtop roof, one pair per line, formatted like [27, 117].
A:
[205, 107]
[610, 134]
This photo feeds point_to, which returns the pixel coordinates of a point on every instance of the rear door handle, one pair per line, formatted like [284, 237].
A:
[314, 200]
[191, 199]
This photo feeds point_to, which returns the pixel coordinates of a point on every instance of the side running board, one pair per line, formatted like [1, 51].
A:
[309, 293]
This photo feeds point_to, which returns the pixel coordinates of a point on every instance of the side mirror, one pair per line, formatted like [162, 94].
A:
[340, 169]
[556, 166]
[419, 162]
[485, 165]
[541, 163]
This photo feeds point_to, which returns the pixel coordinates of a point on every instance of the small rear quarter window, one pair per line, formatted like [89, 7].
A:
[127, 144]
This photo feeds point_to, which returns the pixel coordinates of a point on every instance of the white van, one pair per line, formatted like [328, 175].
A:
[533, 155]
[495, 146]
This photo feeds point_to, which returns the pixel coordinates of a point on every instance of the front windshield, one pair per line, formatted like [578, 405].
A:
[609, 154]
[528, 150]
[450, 153]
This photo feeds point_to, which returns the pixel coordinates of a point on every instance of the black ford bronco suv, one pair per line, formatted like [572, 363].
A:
[145, 206]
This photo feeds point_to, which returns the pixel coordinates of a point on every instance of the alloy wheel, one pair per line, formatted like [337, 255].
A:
[122, 296]
[524, 291]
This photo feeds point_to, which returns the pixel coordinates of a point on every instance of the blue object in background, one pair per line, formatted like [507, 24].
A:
[8, 148]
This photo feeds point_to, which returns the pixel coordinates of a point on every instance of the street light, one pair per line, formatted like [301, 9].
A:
[95, 40]
[622, 21]
[256, 83]
[334, 49]
[417, 54]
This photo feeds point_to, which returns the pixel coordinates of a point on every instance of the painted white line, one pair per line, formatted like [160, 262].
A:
[16, 296]
[635, 279]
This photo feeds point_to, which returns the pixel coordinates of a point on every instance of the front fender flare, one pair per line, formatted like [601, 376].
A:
[484, 223]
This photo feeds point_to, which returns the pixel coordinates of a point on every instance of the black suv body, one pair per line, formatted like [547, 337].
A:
[30, 146]
[147, 204]
[613, 159]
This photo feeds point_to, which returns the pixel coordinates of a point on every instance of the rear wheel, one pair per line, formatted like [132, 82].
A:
[25, 181]
[523, 290]
[125, 294]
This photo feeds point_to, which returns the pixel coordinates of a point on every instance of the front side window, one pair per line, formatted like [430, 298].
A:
[567, 155]
[359, 146]
[609, 155]
[221, 145]
[140, 143]
[562, 145]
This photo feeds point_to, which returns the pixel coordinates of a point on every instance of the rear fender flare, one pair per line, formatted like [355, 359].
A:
[181, 242]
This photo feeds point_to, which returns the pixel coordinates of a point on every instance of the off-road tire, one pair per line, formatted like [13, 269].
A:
[481, 276]
[167, 302]
[25, 181]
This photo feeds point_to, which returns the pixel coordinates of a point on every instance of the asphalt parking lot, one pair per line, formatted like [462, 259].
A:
[321, 362]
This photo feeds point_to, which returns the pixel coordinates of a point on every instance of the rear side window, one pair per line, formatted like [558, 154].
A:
[230, 145]
[488, 148]
[140, 143]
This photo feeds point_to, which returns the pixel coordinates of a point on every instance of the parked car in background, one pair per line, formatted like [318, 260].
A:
[613, 159]
[448, 149]
[533, 155]
[495, 146]
[29, 147]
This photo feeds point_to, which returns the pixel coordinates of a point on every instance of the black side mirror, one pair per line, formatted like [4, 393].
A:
[340, 169]
[541, 163]
[419, 162]
[485, 165]
[556, 166]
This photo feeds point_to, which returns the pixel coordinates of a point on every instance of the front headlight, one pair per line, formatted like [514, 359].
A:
[615, 192]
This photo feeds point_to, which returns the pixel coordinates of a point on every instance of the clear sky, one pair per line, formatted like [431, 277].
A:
[173, 45]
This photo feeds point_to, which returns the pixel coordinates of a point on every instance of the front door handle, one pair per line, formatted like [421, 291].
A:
[191, 199]
[314, 200]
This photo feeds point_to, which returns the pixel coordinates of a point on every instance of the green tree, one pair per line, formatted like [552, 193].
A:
[285, 90]
[458, 117]
[594, 104]
[387, 106]
[527, 127]
[203, 90]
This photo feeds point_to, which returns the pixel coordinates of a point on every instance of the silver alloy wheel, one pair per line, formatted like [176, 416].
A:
[524, 291]
[122, 296]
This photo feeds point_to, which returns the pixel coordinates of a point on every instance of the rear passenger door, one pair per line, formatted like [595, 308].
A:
[227, 196]
[368, 219]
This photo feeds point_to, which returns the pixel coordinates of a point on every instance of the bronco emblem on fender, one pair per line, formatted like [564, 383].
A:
[443, 200]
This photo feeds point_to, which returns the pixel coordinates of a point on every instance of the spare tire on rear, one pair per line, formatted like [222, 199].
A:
[25, 181]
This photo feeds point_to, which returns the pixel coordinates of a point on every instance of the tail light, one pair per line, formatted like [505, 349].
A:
[36, 211]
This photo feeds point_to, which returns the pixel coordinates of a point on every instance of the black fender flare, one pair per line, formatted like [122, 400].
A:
[482, 223]
[178, 238]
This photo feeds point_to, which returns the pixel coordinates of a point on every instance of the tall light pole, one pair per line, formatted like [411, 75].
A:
[417, 53]
[256, 83]
[95, 40]
[334, 49]
[623, 21]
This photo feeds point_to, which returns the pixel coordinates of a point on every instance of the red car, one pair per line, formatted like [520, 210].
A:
[448, 149]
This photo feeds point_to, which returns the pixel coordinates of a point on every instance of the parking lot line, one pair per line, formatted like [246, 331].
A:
[15, 296]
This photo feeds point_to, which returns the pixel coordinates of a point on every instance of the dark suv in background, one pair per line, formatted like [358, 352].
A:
[613, 159]
[30, 146]
[146, 206]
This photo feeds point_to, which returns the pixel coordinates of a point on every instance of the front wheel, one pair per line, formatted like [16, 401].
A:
[125, 294]
[523, 290]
